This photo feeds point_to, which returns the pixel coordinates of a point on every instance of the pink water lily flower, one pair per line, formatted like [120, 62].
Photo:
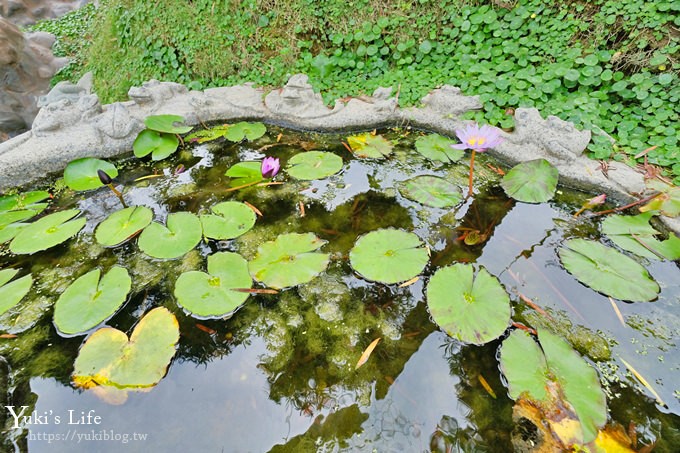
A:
[478, 139]
[270, 167]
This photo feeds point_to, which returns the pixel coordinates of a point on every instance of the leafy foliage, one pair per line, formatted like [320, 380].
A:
[47, 232]
[81, 174]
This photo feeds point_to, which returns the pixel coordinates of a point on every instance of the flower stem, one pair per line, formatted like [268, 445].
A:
[472, 169]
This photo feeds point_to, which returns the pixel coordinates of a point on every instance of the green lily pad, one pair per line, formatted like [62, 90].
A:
[166, 123]
[108, 358]
[431, 191]
[88, 301]
[314, 165]
[534, 181]
[472, 308]
[8, 232]
[12, 293]
[607, 270]
[370, 146]
[635, 234]
[667, 202]
[183, 233]
[244, 173]
[123, 225]
[239, 131]
[210, 295]
[206, 135]
[229, 220]
[81, 174]
[159, 144]
[10, 217]
[289, 260]
[22, 201]
[47, 232]
[388, 256]
[438, 148]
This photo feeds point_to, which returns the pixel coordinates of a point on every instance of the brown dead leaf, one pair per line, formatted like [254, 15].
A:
[367, 353]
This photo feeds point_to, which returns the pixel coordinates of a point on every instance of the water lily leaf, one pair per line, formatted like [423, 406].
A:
[431, 191]
[230, 219]
[388, 256]
[206, 135]
[10, 217]
[244, 173]
[123, 225]
[607, 270]
[47, 232]
[22, 201]
[472, 308]
[182, 233]
[210, 295]
[89, 301]
[314, 165]
[524, 366]
[667, 202]
[251, 131]
[81, 174]
[289, 260]
[12, 293]
[370, 146]
[534, 181]
[159, 144]
[166, 123]
[8, 232]
[635, 234]
[108, 358]
[438, 148]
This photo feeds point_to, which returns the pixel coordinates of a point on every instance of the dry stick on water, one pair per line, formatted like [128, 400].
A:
[617, 311]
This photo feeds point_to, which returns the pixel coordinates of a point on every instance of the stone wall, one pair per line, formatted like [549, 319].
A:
[27, 12]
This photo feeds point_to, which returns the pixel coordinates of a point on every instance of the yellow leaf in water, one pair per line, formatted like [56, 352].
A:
[367, 353]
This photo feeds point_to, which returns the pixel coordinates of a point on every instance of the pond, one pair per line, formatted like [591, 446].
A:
[280, 372]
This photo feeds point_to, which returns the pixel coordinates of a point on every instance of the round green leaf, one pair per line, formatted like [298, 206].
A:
[607, 270]
[47, 232]
[160, 145]
[370, 146]
[534, 181]
[12, 293]
[108, 358]
[206, 135]
[230, 219]
[88, 301]
[431, 191]
[438, 148]
[166, 123]
[26, 200]
[635, 234]
[314, 165]
[210, 295]
[289, 260]
[183, 233]
[81, 174]
[473, 309]
[123, 225]
[523, 365]
[251, 131]
[8, 232]
[10, 217]
[388, 256]
[244, 173]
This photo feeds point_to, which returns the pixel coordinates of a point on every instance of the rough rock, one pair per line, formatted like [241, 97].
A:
[27, 12]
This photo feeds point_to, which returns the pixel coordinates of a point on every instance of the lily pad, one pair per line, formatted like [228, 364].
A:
[314, 165]
[607, 270]
[667, 202]
[635, 234]
[10, 217]
[438, 148]
[159, 144]
[210, 295]
[370, 146]
[8, 232]
[47, 232]
[229, 220]
[108, 358]
[239, 131]
[431, 191]
[183, 233]
[289, 260]
[166, 123]
[123, 225]
[388, 256]
[472, 308]
[244, 173]
[206, 135]
[12, 293]
[89, 301]
[81, 174]
[26, 200]
[534, 181]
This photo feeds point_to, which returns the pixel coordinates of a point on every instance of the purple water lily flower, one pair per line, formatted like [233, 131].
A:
[478, 138]
[270, 167]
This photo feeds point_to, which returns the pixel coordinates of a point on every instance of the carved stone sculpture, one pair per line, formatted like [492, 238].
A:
[449, 100]
[297, 98]
[26, 12]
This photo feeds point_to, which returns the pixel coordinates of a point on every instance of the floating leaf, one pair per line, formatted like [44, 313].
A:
[211, 295]
[160, 145]
[108, 358]
[12, 293]
[183, 233]
[534, 181]
[10, 217]
[166, 123]
[47, 232]
[431, 191]
[473, 309]
[26, 200]
[123, 225]
[8, 232]
[635, 234]
[251, 131]
[438, 148]
[667, 202]
[244, 173]
[370, 146]
[367, 353]
[206, 135]
[230, 219]
[314, 165]
[289, 260]
[88, 301]
[388, 256]
[81, 174]
[607, 270]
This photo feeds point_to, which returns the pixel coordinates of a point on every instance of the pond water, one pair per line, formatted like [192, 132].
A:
[279, 375]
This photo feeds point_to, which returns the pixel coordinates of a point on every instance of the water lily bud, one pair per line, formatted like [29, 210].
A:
[104, 177]
[270, 167]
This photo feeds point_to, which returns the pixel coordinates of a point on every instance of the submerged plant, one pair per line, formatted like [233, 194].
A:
[477, 139]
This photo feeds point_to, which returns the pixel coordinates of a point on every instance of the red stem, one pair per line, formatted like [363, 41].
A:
[472, 168]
